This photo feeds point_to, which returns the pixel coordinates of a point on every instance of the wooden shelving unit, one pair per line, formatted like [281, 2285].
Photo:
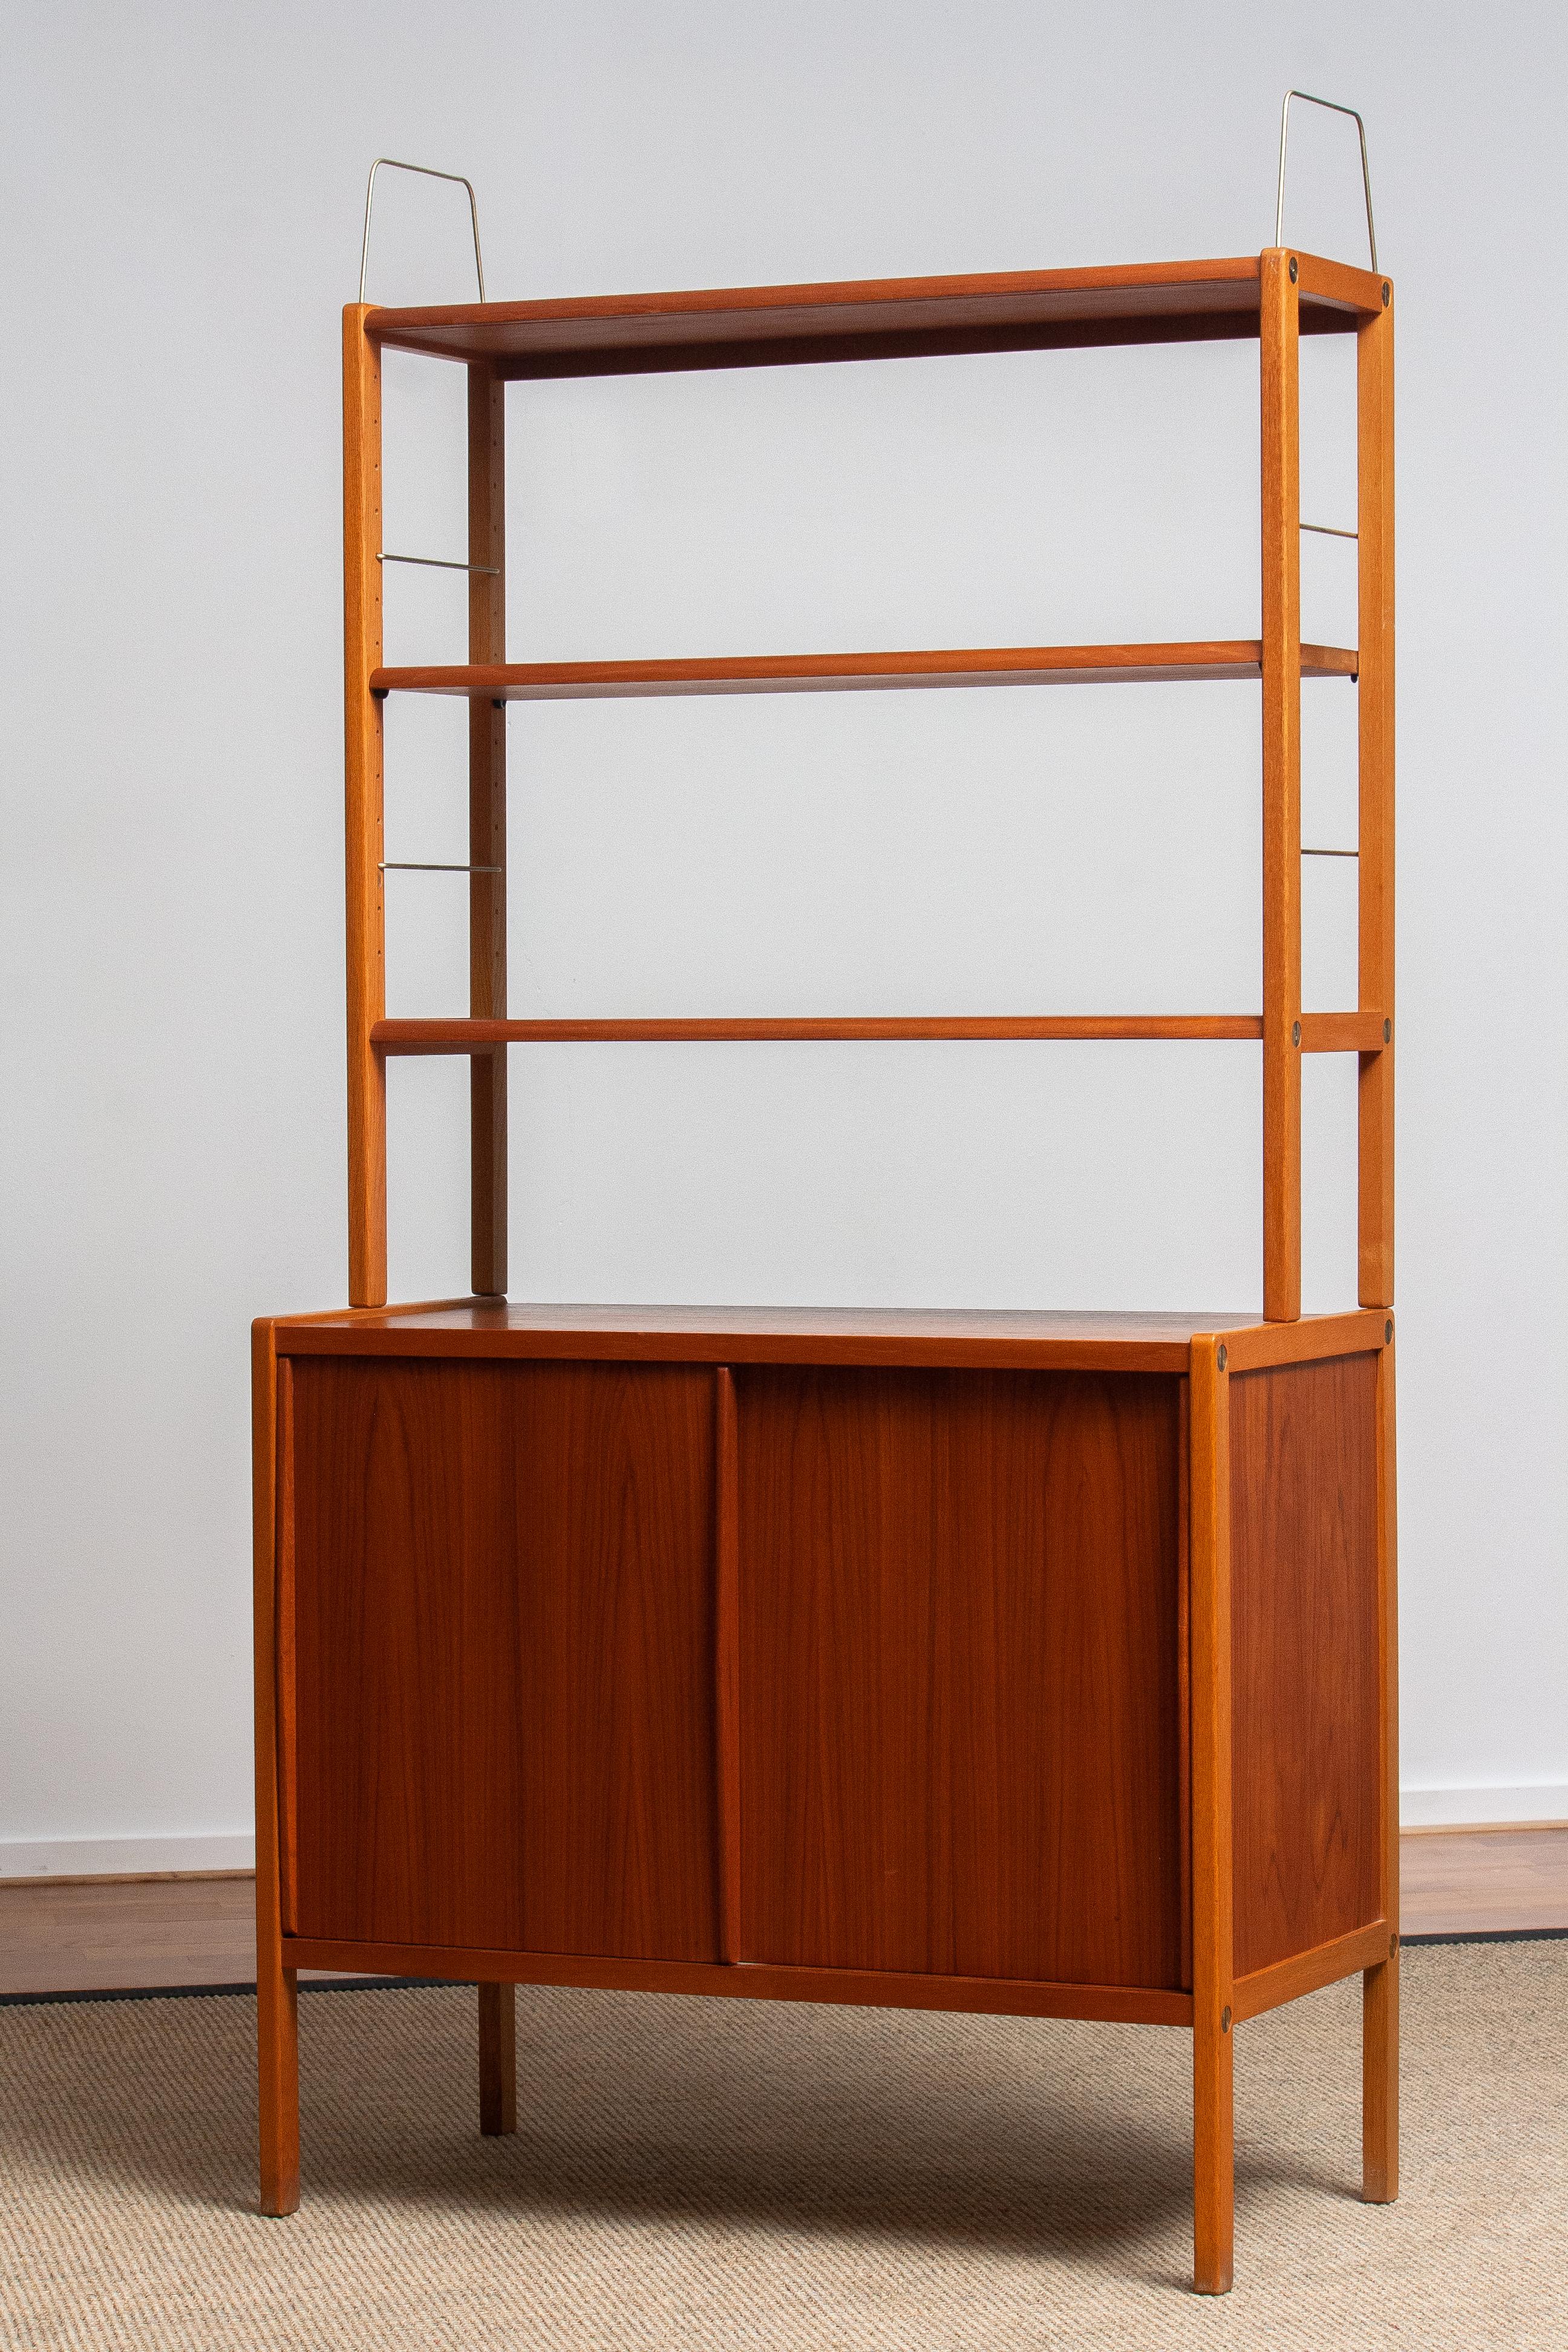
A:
[1031, 1663]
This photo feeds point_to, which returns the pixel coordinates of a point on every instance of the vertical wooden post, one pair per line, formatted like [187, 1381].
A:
[277, 2019]
[497, 2060]
[362, 778]
[284, 1665]
[1374, 438]
[1379, 1986]
[727, 1659]
[1281, 493]
[487, 824]
[1374, 525]
[1184, 1670]
[1214, 2136]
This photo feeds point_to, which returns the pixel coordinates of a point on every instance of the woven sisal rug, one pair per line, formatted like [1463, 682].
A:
[695, 2174]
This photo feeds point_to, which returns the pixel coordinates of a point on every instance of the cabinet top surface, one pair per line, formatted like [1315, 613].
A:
[1035, 1338]
[1171, 301]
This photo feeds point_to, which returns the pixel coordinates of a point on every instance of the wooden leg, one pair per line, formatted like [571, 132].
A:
[1379, 1986]
[1380, 2082]
[1213, 1940]
[1213, 2156]
[497, 2059]
[278, 2039]
[277, 1987]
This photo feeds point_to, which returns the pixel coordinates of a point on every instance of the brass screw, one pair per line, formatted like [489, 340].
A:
[1224, 2021]
[1295, 1033]
[1388, 1332]
[1393, 1946]
[1220, 1358]
[1292, 270]
[1385, 294]
[1387, 1030]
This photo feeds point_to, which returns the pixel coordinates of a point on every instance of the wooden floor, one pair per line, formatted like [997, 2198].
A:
[1485, 1882]
[90, 1935]
[119, 1934]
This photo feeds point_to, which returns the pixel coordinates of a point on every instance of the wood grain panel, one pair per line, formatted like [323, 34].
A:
[1305, 1657]
[995, 1338]
[752, 326]
[959, 1607]
[505, 1643]
[989, 1339]
[727, 1660]
[831, 673]
[812, 348]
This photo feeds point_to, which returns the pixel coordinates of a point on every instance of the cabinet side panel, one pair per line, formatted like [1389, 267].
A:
[504, 1639]
[959, 1736]
[1304, 1620]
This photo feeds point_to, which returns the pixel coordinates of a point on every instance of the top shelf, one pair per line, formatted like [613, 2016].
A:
[889, 317]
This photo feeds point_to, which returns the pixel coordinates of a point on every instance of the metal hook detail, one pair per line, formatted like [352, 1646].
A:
[424, 170]
[1334, 107]
[492, 571]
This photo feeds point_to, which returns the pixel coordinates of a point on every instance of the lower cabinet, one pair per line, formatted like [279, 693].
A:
[958, 1654]
[959, 1665]
[1059, 1688]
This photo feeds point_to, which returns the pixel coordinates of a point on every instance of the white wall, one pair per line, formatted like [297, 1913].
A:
[182, 198]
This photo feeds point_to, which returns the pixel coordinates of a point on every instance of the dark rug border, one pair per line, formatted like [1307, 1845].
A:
[207, 1992]
[401, 1984]
[1494, 1935]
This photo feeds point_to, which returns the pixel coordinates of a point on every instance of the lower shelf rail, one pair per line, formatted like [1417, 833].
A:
[1315, 1032]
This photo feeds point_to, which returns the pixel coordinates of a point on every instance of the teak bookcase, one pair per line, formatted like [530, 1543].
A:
[1030, 1663]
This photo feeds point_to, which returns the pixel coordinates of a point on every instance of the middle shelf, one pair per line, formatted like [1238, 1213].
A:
[1232, 657]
